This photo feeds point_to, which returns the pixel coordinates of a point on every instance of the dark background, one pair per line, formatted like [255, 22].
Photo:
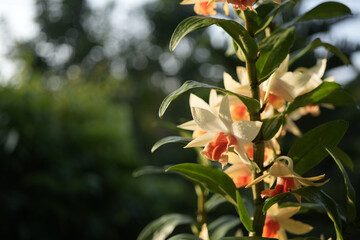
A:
[73, 131]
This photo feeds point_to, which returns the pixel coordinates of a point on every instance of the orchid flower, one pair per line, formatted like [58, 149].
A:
[203, 7]
[278, 221]
[221, 131]
[287, 179]
[239, 172]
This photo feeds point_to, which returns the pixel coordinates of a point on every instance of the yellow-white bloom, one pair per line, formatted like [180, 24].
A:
[278, 222]
[221, 131]
[287, 179]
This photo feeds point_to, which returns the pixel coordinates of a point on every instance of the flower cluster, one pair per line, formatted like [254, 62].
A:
[205, 8]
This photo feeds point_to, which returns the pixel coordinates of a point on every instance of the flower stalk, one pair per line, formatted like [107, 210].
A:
[259, 217]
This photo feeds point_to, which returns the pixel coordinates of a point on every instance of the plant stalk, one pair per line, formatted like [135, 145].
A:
[258, 143]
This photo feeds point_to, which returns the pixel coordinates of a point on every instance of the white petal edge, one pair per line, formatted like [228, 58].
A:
[201, 141]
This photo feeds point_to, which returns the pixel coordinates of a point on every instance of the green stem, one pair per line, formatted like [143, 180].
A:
[201, 199]
[258, 146]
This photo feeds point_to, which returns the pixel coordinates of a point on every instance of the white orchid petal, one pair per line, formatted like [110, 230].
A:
[279, 169]
[286, 212]
[213, 100]
[226, 8]
[241, 152]
[224, 113]
[207, 121]
[292, 127]
[246, 131]
[257, 180]
[196, 102]
[201, 141]
[233, 158]
[295, 227]
[319, 68]
[242, 76]
[190, 125]
[238, 170]
[230, 84]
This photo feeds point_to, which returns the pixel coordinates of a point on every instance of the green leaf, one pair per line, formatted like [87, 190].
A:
[246, 238]
[235, 30]
[221, 226]
[184, 236]
[325, 10]
[350, 192]
[271, 126]
[344, 158]
[170, 139]
[318, 43]
[213, 179]
[266, 13]
[273, 51]
[314, 195]
[251, 104]
[149, 170]
[162, 227]
[306, 238]
[326, 92]
[244, 216]
[213, 202]
[308, 151]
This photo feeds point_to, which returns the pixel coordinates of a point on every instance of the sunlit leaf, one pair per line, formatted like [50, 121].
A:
[325, 10]
[308, 151]
[184, 236]
[244, 216]
[327, 92]
[318, 43]
[314, 195]
[221, 226]
[161, 228]
[213, 179]
[273, 51]
[252, 104]
[271, 126]
[234, 29]
[170, 139]
[266, 13]
[350, 192]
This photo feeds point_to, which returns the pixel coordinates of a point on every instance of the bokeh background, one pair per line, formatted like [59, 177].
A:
[80, 85]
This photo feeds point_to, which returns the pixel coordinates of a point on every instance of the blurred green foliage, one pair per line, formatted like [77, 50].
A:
[72, 132]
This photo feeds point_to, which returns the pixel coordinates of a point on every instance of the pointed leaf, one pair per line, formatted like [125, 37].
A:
[350, 192]
[161, 228]
[213, 179]
[271, 126]
[251, 104]
[326, 92]
[244, 216]
[314, 195]
[325, 10]
[170, 139]
[221, 226]
[344, 158]
[318, 43]
[149, 170]
[184, 236]
[266, 13]
[234, 29]
[273, 51]
[308, 151]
